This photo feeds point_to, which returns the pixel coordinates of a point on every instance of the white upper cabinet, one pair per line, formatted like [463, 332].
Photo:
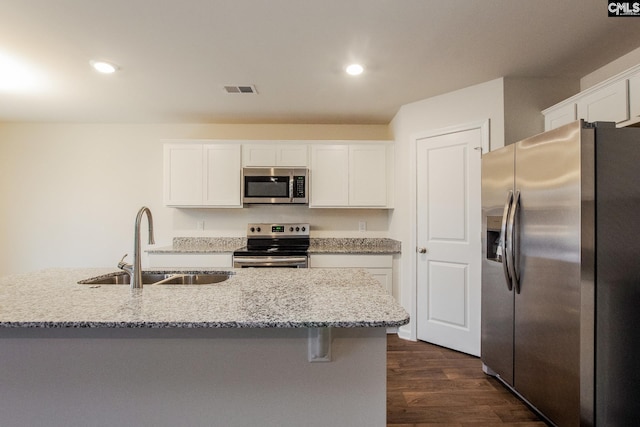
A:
[614, 100]
[198, 174]
[329, 181]
[344, 174]
[357, 175]
[183, 168]
[607, 104]
[222, 175]
[560, 116]
[634, 97]
[368, 175]
[269, 154]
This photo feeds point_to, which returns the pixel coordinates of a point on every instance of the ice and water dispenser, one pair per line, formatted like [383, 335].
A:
[494, 238]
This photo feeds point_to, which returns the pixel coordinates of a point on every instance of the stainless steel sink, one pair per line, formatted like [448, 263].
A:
[176, 278]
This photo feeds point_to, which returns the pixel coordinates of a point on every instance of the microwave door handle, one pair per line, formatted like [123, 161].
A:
[291, 187]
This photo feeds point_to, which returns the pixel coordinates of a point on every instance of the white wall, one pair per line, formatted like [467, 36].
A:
[473, 104]
[513, 107]
[621, 64]
[525, 98]
[70, 192]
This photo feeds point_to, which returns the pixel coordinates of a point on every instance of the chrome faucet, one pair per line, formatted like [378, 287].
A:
[135, 270]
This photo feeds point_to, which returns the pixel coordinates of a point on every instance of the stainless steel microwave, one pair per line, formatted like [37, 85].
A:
[264, 185]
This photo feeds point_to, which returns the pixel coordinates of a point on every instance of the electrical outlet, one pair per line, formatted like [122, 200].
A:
[362, 226]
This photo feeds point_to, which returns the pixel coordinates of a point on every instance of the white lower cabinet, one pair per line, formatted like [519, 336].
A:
[379, 266]
[191, 260]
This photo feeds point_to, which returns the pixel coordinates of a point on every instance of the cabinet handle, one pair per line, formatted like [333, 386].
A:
[422, 250]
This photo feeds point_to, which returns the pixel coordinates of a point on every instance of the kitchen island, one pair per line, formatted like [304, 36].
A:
[234, 353]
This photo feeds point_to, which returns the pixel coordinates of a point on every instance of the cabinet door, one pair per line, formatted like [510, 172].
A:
[379, 266]
[291, 155]
[259, 155]
[560, 116]
[608, 104]
[266, 154]
[634, 96]
[222, 175]
[368, 175]
[183, 183]
[329, 176]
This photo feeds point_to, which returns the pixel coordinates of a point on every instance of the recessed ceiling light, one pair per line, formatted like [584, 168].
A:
[104, 67]
[354, 69]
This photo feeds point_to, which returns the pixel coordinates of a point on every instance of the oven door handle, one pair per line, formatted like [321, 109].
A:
[269, 261]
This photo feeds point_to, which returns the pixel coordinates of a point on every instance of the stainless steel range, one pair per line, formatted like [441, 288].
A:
[274, 245]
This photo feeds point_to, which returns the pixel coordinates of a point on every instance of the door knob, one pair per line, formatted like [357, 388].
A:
[422, 250]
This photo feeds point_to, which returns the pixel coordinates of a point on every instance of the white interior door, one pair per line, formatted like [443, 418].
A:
[448, 239]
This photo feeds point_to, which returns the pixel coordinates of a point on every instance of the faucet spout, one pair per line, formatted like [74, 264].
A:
[135, 270]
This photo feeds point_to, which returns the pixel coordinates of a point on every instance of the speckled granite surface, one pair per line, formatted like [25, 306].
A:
[202, 245]
[318, 245]
[354, 246]
[251, 298]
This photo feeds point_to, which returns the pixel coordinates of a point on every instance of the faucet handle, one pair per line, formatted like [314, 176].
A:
[122, 264]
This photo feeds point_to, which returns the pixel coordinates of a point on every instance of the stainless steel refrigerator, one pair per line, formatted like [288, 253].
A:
[561, 272]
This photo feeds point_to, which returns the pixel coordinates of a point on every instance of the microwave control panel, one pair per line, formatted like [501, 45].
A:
[299, 186]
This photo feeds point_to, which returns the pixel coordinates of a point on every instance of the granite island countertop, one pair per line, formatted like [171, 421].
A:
[250, 298]
[318, 245]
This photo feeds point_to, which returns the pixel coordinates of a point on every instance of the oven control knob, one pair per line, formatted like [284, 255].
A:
[304, 228]
[297, 228]
[290, 228]
[252, 229]
[258, 229]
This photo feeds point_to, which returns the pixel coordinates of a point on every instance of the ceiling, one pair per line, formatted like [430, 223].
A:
[176, 56]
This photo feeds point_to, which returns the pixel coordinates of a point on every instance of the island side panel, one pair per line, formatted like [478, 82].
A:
[194, 377]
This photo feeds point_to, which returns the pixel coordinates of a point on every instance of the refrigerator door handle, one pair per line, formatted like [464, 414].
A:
[512, 242]
[503, 240]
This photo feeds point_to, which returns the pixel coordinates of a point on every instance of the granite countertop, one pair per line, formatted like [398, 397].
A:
[251, 298]
[201, 245]
[348, 245]
[353, 246]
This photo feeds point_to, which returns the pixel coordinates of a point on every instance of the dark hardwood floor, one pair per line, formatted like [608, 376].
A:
[429, 385]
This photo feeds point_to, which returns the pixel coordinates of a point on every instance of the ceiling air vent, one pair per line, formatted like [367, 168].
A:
[241, 89]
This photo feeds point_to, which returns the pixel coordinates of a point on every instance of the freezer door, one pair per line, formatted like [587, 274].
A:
[618, 277]
[547, 303]
[497, 296]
